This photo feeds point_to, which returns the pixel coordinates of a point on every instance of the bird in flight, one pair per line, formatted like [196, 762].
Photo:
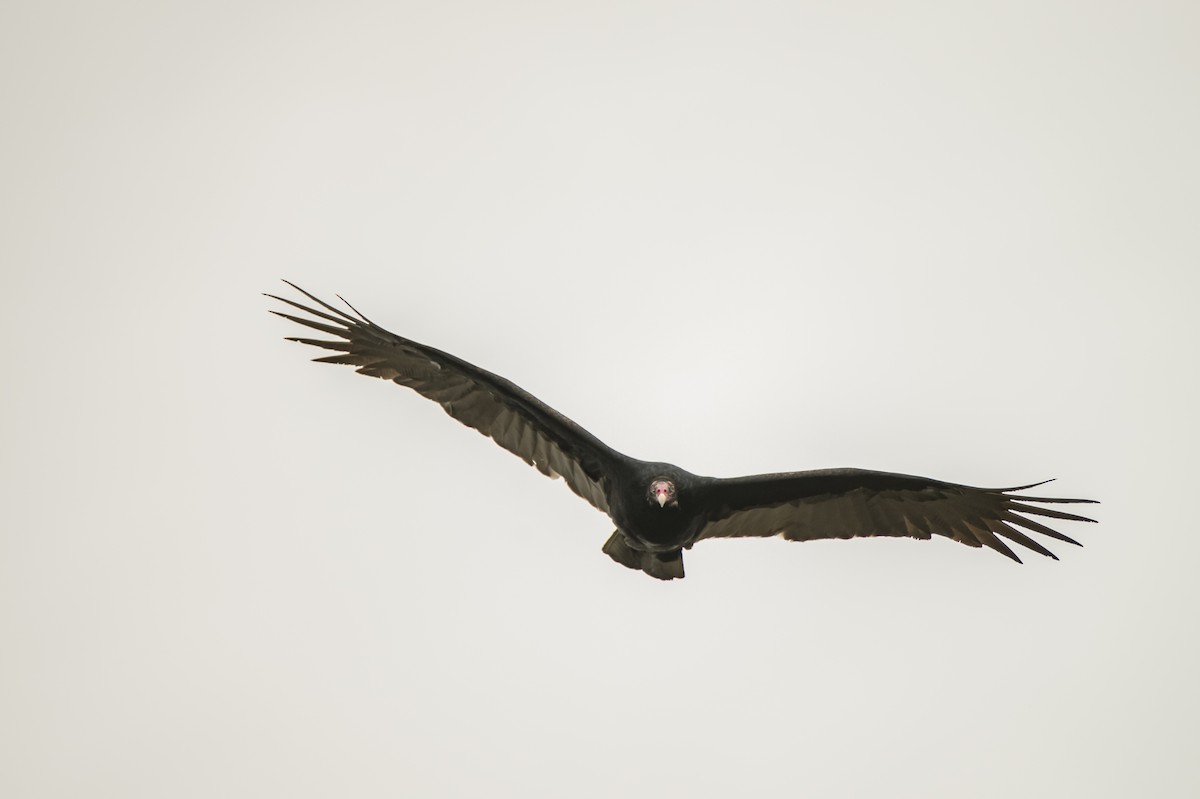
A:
[660, 509]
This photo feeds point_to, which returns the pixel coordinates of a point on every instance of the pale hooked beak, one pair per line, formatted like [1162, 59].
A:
[663, 491]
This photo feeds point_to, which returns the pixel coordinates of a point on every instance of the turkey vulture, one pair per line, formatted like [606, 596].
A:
[660, 509]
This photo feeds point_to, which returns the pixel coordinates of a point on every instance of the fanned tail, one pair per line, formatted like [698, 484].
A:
[660, 565]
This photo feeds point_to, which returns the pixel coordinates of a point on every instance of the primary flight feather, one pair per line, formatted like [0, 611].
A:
[660, 509]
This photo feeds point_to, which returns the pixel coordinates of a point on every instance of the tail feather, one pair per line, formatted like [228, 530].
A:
[660, 565]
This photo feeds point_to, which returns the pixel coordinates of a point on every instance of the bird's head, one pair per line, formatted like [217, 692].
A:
[661, 492]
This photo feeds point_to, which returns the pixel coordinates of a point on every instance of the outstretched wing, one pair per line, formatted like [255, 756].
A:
[853, 503]
[502, 411]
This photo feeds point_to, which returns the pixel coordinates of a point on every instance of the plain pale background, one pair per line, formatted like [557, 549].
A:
[950, 239]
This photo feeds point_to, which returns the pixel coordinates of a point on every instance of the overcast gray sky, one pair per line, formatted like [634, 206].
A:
[947, 239]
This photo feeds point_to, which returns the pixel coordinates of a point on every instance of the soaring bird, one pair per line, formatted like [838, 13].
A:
[660, 509]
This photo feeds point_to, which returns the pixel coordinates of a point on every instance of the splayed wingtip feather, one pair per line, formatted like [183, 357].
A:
[324, 304]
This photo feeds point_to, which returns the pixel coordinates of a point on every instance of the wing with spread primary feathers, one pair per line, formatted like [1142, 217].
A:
[853, 503]
[501, 410]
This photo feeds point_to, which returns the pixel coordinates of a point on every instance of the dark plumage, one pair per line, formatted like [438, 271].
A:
[660, 509]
